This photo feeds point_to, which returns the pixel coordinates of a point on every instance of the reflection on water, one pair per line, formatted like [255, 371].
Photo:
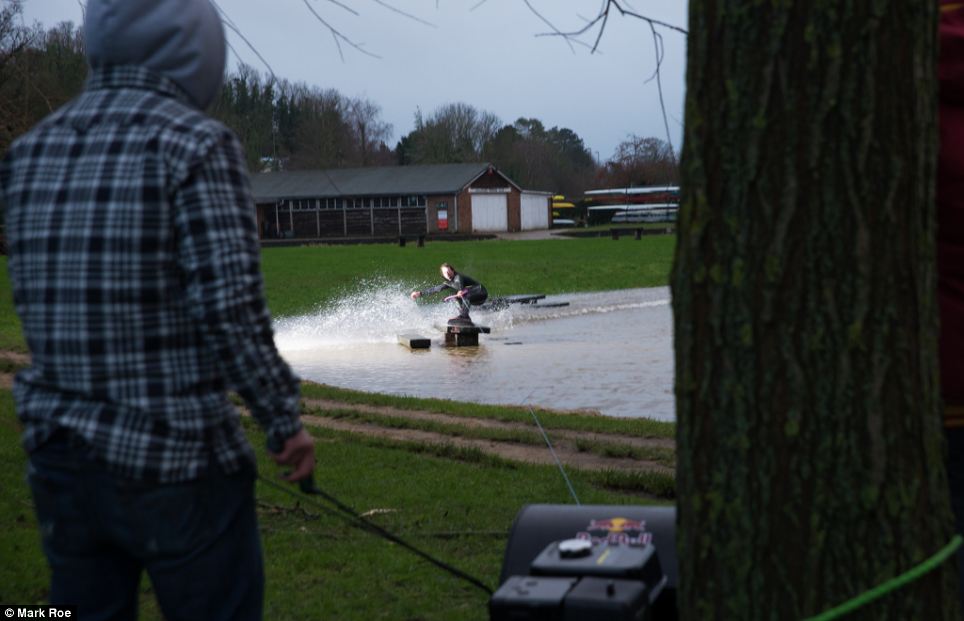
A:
[608, 351]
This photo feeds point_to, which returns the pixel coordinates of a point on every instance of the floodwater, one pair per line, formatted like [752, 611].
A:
[611, 351]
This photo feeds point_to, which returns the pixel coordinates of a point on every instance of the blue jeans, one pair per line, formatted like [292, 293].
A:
[198, 541]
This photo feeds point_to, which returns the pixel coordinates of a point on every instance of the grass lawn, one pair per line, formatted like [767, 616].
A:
[455, 504]
[11, 336]
[300, 279]
[642, 427]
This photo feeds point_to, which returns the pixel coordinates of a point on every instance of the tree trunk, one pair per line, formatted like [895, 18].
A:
[809, 427]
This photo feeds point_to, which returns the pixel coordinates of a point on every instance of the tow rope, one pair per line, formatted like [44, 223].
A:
[349, 515]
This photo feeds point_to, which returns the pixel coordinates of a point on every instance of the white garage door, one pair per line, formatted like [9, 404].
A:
[490, 212]
[535, 212]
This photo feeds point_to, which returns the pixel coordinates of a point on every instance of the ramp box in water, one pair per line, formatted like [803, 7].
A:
[412, 340]
[464, 335]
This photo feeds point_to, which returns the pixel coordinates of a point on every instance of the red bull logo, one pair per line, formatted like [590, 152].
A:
[617, 530]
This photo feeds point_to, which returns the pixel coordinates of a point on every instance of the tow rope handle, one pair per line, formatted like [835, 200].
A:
[307, 484]
[455, 296]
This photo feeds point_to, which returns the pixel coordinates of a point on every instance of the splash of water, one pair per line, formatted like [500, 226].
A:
[376, 311]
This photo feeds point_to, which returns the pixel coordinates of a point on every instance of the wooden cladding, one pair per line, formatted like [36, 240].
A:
[280, 222]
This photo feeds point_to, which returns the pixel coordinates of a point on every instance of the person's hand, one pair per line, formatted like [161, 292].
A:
[298, 452]
[460, 294]
[416, 294]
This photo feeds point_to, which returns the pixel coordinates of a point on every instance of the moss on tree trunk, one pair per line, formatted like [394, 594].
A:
[809, 427]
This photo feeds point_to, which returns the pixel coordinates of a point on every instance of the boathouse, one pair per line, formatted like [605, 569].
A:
[392, 201]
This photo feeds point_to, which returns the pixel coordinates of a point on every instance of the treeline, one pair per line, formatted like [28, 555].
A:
[534, 157]
[290, 126]
[293, 126]
[40, 70]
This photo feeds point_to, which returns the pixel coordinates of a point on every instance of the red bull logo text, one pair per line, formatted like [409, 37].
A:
[617, 530]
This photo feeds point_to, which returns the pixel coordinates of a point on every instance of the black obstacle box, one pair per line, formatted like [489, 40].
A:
[589, 563]
[525, 598]
[578, 580]
[612, 599]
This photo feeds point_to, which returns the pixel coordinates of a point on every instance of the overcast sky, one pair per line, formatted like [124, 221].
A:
[488, 57]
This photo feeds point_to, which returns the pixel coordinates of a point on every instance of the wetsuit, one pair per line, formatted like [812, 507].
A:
[475, 296]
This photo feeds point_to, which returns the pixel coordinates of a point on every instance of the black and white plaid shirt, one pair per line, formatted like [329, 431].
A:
[135, 266]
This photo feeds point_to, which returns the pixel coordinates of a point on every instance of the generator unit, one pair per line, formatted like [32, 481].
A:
[589, 562]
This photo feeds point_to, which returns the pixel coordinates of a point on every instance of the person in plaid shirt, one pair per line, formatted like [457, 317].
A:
[134, 261]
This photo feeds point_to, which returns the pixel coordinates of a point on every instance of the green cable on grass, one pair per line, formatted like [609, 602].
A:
[893, 584]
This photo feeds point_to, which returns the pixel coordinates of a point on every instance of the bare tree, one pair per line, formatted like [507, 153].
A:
[370, 131]
[39, 70]
[455, 132]
[14, 38]
[596, 27]
[320, 133]
[640, 161]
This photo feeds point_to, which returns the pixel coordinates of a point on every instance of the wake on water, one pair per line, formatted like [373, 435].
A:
[377, 310]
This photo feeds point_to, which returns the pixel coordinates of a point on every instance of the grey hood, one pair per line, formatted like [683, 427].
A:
[180, 39]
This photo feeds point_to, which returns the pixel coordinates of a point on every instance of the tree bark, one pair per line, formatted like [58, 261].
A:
[809, 428]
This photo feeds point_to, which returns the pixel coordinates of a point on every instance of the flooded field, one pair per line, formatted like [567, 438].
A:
[609, 351]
